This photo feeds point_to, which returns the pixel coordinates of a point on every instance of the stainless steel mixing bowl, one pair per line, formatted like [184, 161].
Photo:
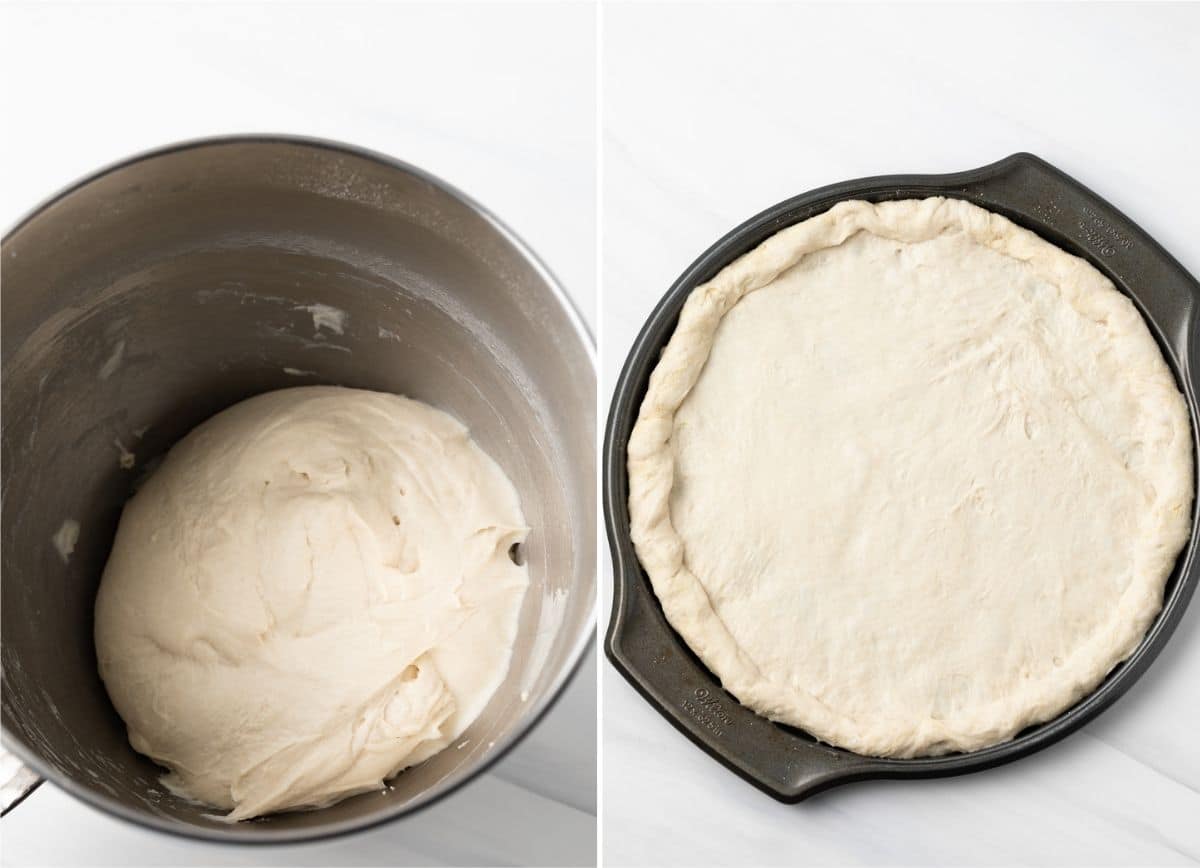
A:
[160, 291]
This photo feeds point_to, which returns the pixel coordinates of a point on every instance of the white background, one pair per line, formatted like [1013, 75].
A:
[712, 113]
[496, 99]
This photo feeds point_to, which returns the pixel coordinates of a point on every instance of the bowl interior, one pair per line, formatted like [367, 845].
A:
[163, 291]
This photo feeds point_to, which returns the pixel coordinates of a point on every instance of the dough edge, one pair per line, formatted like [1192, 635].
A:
[685, 603]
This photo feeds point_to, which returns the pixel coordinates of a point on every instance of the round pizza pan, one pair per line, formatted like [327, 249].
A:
[785, 762]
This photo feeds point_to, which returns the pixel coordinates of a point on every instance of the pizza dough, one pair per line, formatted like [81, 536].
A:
[313, 592]
[910, 478]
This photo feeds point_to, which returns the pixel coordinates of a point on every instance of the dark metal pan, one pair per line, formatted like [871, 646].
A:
[784, 762]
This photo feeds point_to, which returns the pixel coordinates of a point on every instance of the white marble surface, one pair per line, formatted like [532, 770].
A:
[496, 99]
[713, 113]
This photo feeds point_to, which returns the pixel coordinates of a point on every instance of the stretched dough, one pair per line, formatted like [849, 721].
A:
[910, 478]
[311, 593]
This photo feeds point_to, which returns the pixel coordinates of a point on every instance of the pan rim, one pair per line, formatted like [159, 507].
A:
[628, 576]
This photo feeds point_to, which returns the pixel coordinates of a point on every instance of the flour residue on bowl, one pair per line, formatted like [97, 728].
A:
[554, 610]
[113, 361]
[65, 538]
[285, 333]
[325, 316]
[125, 458]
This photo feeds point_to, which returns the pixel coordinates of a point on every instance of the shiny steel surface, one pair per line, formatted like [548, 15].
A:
[160, 291]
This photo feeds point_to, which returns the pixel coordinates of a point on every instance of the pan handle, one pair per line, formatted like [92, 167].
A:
[17, 781]
[780, 761]
[1024, 185]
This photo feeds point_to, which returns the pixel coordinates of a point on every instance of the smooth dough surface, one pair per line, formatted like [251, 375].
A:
[910, 478]
[311, 593]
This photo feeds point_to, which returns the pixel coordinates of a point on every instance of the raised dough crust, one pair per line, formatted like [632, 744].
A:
[928, 491]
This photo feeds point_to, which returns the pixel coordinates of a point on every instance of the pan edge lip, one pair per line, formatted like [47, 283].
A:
[237, 835]
[622, 413]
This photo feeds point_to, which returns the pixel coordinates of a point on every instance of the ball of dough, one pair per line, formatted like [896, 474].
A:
[311, 593]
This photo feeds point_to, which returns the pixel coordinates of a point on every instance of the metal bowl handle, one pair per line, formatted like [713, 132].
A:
[17, 781]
